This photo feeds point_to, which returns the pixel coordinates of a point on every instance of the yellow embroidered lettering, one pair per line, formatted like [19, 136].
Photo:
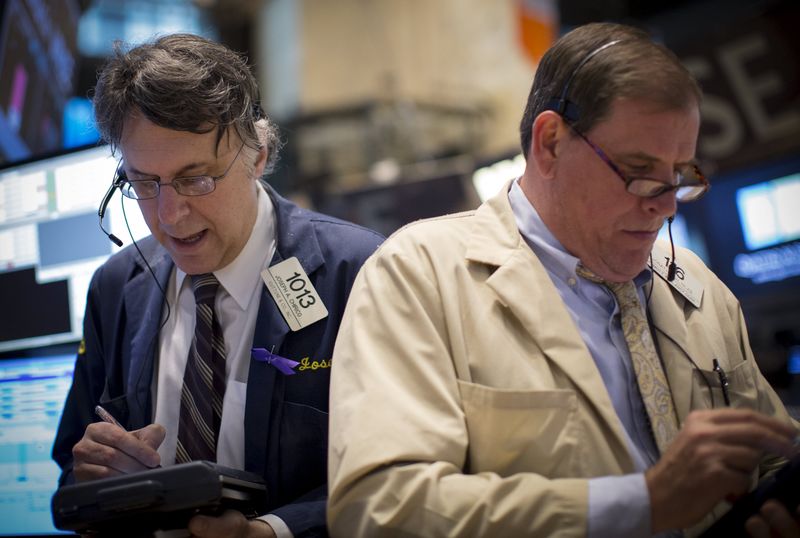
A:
[307, 364]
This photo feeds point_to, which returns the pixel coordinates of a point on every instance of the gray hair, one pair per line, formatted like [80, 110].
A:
[183, 82]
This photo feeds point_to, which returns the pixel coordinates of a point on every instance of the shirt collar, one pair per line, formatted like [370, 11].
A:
[238, 277]
[558, 262]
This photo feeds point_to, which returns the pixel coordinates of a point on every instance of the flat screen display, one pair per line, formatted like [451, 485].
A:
[770, 212]
[751, 223]
[51, 244]
[32, 394]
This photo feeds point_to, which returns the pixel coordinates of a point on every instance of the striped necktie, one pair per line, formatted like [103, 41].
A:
[203, 380]
[650, 376]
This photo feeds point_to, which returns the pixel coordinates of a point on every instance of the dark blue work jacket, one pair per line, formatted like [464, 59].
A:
[286, 417]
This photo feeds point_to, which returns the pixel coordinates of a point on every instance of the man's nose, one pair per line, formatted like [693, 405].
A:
[172, 207]
[663, 205]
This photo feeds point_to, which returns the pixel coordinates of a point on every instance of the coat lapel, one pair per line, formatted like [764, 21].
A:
[295, 238]
[523, 285]
[669, 331]
[144, 303]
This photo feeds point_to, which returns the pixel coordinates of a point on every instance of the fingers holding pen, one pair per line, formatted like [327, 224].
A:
[152, 435]
[108, 450]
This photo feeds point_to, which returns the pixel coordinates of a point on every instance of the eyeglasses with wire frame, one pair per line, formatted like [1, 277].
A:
[146, 189]
[689, 183]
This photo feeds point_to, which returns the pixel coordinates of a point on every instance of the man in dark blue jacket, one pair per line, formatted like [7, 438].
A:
[212, 338]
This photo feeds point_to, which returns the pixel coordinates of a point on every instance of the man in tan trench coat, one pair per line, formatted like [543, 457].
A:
[485, 382]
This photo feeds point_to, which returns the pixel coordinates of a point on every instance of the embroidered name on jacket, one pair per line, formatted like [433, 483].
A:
[307, 364]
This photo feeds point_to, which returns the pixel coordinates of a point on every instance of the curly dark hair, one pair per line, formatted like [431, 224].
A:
[183, 82]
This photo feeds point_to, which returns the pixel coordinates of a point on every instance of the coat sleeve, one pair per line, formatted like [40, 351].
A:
[88, 383]
[399, 440]
[306, 516]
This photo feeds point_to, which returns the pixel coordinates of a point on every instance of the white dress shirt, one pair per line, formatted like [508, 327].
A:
[236, 306]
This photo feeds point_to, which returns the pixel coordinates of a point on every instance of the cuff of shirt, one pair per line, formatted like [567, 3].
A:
[280, 528]
[619, 506]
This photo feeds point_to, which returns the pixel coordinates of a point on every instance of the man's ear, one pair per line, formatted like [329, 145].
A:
[261, 162]
[548, 131]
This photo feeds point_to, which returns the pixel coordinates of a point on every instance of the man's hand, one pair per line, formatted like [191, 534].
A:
[108, 450]
[774, 520]
[231, 524]
[711, 459]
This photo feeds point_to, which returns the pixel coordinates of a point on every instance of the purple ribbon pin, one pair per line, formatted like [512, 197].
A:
[286, 366]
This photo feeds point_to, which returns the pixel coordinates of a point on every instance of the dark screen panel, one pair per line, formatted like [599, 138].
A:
[31, 309]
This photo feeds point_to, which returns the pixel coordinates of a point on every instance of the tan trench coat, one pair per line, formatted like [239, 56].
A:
[464, 401]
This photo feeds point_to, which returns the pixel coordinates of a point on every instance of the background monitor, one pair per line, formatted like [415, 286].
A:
[749, 224]
[41, 110]
[769, 211]
[32, 393]
[51, 244]
[751, 220]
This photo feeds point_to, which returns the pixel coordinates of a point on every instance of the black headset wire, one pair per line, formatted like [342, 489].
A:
[671, 267]
[688, 358]
[653, 327]
[160, 288]
[117, 184]
[652, 283]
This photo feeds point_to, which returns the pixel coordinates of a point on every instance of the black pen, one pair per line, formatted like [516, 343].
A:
[723, 381]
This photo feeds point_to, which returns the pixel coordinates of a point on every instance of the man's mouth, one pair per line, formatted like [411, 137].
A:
[189, 239]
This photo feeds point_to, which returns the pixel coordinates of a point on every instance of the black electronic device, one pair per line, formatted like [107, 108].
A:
[165, 498]
[784, 486]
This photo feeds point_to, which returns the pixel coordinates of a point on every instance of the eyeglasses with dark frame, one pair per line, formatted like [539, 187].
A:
[146, 189]
[690, 183]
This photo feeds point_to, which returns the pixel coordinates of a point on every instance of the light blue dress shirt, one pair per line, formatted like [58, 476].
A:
[618, 505]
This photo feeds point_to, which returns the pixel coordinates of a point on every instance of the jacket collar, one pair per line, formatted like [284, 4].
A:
[523, 285]
[295, 234]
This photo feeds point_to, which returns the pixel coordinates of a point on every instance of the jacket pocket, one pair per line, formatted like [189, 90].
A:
[707, 387]
[513, 431]
[303, 449]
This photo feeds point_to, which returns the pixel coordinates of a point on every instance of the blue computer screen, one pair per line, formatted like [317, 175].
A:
[769, 212]
[32, 394]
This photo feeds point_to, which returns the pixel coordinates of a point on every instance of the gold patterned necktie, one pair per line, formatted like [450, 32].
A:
[650, 377]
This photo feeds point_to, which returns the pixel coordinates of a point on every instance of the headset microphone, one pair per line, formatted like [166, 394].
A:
[671, 268]
[101, 211]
